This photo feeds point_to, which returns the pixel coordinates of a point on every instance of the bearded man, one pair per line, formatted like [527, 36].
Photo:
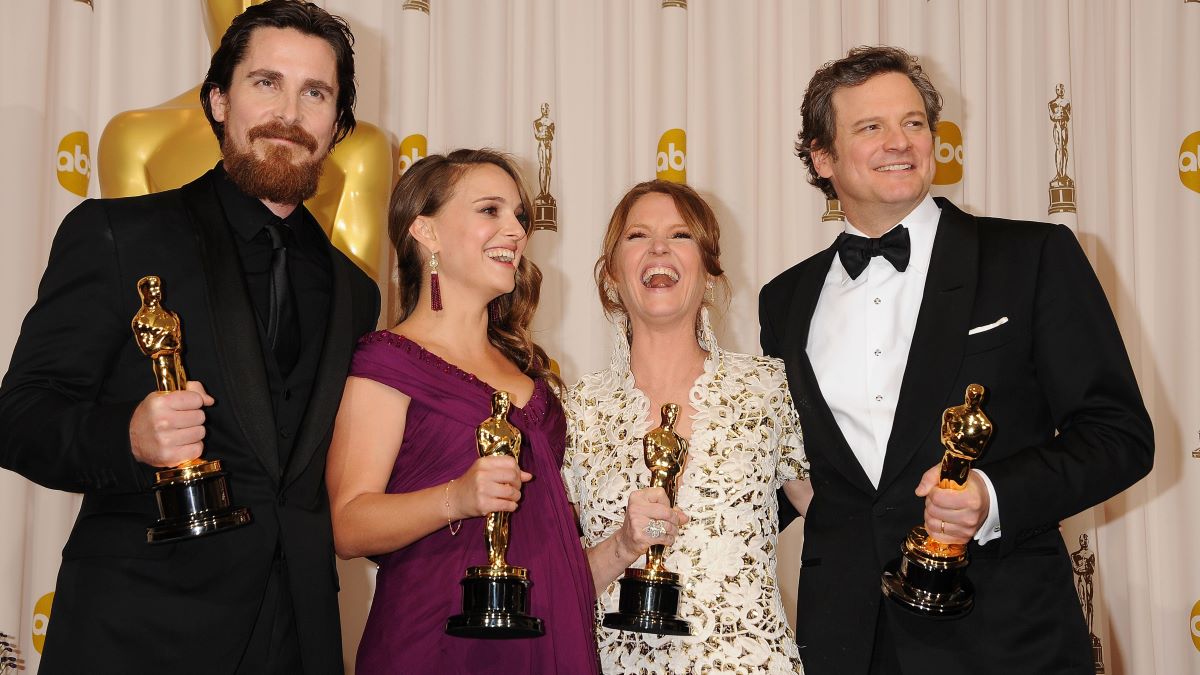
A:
[270, 314]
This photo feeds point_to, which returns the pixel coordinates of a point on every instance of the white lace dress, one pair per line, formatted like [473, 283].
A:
[745, 443]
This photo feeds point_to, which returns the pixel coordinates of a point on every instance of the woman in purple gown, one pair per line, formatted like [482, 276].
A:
[406, 486]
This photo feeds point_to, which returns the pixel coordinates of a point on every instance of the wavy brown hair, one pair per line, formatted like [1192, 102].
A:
[422, 191]
[697, 215]
[819, 123]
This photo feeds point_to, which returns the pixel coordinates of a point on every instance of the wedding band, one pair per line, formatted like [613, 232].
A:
[943, 527]
[655, 529]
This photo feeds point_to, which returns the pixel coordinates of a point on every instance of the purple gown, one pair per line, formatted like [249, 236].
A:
[417, 588]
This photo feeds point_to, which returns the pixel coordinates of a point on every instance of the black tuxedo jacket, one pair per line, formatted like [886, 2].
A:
[76, 375]
[1057, 365]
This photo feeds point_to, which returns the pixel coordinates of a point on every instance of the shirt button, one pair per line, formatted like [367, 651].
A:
[284, 433]
[878, 301]
[878, 397]
[878, 352]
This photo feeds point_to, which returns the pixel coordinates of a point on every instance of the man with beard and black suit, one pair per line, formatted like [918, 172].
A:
[270, 314]
[883, 331]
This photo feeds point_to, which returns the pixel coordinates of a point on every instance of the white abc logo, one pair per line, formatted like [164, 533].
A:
[1189, 161]
[944, 152]
[76, 162]
[671, 159]
[40, 623]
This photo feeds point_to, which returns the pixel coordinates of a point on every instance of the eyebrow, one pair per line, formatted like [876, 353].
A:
[484, 199]
[275, 76]
[879, 118]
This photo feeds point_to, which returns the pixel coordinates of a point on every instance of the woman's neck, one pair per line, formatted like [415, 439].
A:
[664, 359]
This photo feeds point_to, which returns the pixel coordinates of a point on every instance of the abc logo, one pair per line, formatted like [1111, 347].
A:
[412, 149]
[1189, 161]
[947, 154]
[1195, 625]
[74, 163]
[41, 620]
[672, 156]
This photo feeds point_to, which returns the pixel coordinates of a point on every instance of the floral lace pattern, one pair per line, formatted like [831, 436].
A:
[745, 443]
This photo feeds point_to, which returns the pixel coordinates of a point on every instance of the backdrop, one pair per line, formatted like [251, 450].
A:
[705, 91]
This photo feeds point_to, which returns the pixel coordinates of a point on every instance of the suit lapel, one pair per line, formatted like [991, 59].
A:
[234, 325]
[331, 370]
[819, 424]
[938, 340]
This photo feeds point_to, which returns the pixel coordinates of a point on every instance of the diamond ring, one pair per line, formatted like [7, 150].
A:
[655, 529]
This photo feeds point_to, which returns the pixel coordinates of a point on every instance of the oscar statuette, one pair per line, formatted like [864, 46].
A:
[649, 601]
[929, 576]
[193, 498]
[495, 598]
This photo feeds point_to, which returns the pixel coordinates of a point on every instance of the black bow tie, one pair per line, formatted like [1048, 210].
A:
[856, 251]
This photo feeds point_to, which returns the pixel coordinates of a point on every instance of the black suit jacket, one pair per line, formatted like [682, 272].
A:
[1057, 364]
[75, 378]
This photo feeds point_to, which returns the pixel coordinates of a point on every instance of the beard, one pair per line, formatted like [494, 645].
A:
[275, 177]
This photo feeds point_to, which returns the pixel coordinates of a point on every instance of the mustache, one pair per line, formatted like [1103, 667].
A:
[279, 130]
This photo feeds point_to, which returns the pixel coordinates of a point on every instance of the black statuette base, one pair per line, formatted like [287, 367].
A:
[194, 507]
[648, 605]
[495, 608]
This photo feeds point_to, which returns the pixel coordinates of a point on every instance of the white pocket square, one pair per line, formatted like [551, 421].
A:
[980, 329]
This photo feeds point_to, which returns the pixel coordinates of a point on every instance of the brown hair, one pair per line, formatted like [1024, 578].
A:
[305, 17]
[861, 64]
[422, 191]
[697, 215]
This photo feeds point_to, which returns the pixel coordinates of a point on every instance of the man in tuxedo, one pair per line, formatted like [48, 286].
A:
[884, 330]
[270, 314]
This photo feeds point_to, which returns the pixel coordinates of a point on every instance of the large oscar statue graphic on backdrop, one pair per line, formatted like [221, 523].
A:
[193, 498]
[1062, 186]
[928, 578]
[649, 601]
[495, 597]
[545, 208]
[164, 147]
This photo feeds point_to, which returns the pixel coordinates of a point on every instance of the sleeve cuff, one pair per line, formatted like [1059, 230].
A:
[991, 526]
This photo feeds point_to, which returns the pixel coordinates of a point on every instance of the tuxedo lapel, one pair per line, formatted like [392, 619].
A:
[819, 426]
[234, 325]
[336, 350]
[938, 340]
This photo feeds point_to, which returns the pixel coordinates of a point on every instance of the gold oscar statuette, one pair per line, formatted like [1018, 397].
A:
[193, 498]
[649, 600]
[1062, 186]
[545, 208]
[495, 597]
[929, 576]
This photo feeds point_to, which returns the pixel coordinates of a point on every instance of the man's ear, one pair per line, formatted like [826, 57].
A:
[424, 230]
[218, 102]
[822, 160]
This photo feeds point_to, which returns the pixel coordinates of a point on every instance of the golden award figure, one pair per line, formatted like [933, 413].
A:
[649, 601]
[495, 597]
[929, 577]
[193, 498]
[545, 208]
[1062, 186]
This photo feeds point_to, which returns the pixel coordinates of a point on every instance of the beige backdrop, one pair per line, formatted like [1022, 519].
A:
[707, 91]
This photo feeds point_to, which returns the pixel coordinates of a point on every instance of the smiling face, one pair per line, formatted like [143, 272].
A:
[881, 162]
[658, 270]
[479, 234]
[280, 114]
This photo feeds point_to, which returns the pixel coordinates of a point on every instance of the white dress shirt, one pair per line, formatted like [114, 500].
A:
[859, 340]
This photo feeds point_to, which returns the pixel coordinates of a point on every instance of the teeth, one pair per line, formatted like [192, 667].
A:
[501, 254]
[894, 167]
[665, 271]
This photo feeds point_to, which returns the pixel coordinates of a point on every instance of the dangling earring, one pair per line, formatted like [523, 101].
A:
[710, 296]
[435, 288]
[494, 311]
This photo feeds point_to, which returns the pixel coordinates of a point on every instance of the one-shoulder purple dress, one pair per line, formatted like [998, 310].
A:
[417, 588]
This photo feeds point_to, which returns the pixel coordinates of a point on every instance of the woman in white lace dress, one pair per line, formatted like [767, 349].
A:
[657, 273]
